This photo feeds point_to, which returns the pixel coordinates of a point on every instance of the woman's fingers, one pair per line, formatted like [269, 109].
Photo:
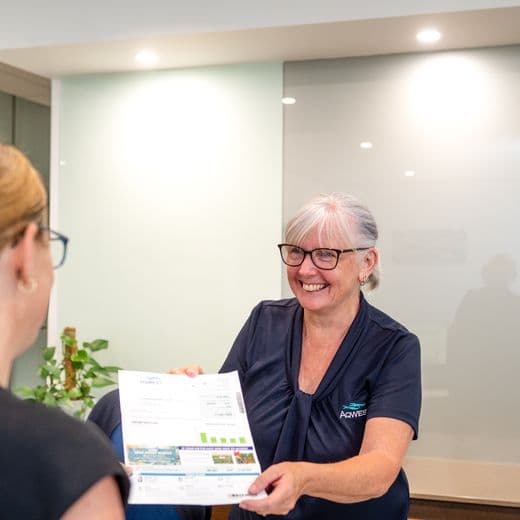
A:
[284, 481]
[190, 370]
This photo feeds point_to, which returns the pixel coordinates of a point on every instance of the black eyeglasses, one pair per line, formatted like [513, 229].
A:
[323, 257]
[58, 246]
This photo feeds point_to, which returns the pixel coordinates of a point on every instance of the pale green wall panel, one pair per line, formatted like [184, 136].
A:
[170, 188]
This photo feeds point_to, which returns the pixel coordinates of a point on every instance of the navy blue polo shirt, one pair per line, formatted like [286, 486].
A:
[375, 373]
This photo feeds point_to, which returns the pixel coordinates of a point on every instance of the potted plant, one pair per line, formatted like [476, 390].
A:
[68, 379]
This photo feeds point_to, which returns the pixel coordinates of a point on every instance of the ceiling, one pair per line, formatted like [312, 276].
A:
[104, 36]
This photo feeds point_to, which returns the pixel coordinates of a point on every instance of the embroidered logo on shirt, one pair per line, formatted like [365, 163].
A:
[352, 410]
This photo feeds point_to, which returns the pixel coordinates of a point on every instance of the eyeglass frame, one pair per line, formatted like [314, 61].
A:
[56, 235]
[310, 253]
[53, 235]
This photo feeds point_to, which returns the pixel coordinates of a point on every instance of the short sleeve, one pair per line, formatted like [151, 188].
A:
[56, 457]
[397, 389]
[237, 358]
[83, 448]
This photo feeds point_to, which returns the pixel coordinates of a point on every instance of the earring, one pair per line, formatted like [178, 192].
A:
[29, 286]
[364, 280]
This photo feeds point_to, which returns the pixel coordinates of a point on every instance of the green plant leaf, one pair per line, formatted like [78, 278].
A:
[54, 371]
[25, 392]
[98, 344]
[80, 355]
[40, 392]
[111, 369]
[74, 393]
[59, 393]
[93, 362]
[79, 413]
[91, 373]
[99, 382]
[64, 402]
[50, 400]
[43, 371]
[48, 353]
[67, 340]
[107, 370]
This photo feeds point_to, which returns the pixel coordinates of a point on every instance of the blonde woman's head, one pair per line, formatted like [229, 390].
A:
[23, 198]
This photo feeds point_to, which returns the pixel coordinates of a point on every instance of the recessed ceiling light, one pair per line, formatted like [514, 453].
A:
[366, 145]
[428, 35]
[288, 100]
[147, 57]
[409, 173]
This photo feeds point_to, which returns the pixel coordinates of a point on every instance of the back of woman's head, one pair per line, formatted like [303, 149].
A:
[22, 195]
[340, 220]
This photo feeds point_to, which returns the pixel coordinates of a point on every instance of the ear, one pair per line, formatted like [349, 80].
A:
[24, 256]
[368, 263]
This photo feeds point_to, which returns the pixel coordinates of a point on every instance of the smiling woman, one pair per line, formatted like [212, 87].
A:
[338, 235]
[331, 384]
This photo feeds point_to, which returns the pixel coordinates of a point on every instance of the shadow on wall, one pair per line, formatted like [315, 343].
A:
[484, 356]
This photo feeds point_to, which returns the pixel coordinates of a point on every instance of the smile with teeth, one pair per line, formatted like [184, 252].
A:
[313, 287]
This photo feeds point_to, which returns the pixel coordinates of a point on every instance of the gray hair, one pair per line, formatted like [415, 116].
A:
[336, 216]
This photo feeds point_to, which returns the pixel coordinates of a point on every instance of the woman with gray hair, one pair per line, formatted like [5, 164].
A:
[331, 384]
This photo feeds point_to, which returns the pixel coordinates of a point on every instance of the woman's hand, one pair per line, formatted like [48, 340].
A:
[190, 370]
[286, 482]
[362, 477]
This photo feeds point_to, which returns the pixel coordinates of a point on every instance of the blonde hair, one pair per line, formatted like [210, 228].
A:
[336, 216]
[23, 198]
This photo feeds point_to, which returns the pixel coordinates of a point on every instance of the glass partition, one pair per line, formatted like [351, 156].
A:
[431, 142]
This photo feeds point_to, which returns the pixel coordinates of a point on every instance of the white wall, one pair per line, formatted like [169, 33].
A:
[170, 191]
